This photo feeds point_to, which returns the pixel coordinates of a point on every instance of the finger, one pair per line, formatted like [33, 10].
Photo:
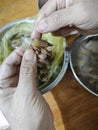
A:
[10, 68]
[10, 65]
[69, 3]
[50, 7]
[61, 18]
[28, 71]
[65, 31]
[10, 82]
[47, 9]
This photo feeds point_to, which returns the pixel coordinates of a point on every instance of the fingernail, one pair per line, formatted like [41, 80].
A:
[42, 27]
[35, 35]
[20, 50]
[29, 55]
[74, 32]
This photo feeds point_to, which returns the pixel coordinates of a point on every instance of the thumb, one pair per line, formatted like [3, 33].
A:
[28, 71]
[61, 18]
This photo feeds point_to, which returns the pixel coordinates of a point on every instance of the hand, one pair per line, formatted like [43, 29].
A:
[20, 101]
[63, 17]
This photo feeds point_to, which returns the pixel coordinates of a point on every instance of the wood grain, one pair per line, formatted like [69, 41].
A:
[73, 107]
[16, 9]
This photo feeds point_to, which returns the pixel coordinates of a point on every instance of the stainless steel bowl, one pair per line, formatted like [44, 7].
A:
[65, 61]
[84, 62]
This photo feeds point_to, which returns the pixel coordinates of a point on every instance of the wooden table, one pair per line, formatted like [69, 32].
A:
[73, 107]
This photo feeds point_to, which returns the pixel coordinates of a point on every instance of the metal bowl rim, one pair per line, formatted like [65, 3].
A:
[82, 38]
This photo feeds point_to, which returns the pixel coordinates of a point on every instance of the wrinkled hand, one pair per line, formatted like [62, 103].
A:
[63, 17]
[20, 101]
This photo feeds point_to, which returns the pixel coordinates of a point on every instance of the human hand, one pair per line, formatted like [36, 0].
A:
[63, 17]
[20, 101]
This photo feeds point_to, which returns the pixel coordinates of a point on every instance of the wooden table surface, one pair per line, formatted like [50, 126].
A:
[73, 107]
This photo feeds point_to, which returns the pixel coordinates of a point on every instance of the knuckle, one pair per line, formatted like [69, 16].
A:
[57, 19]
[42, 13]
[80, 14]
[83, 10]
